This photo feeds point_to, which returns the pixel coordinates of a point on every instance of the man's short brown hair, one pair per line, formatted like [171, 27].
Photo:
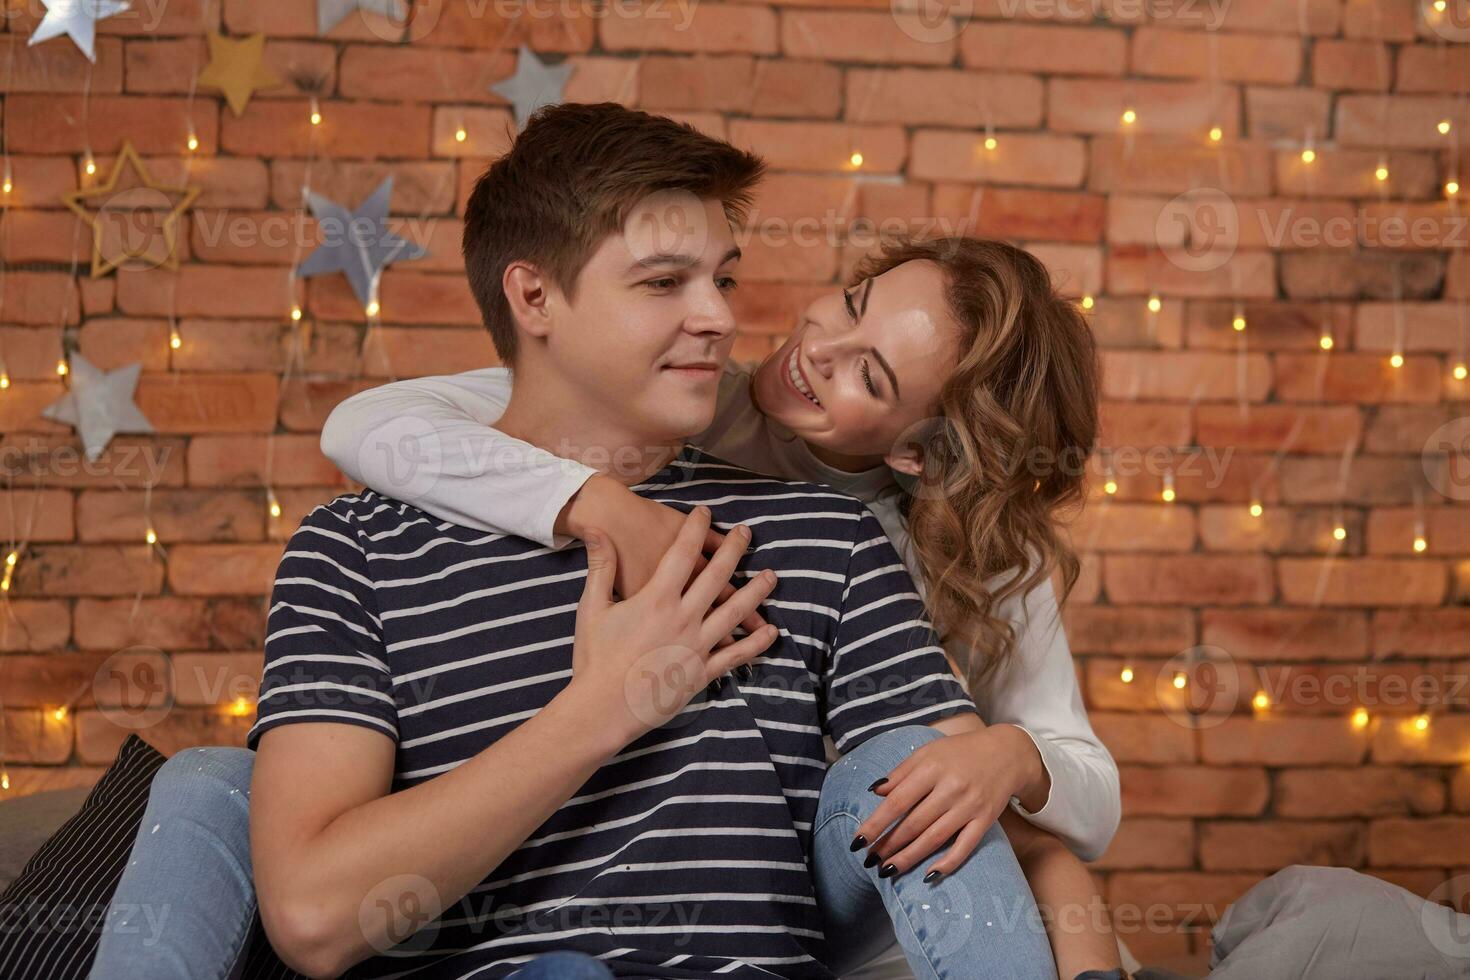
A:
[570, 179]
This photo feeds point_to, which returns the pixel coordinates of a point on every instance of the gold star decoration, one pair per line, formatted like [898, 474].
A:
[236, 69]
[134, 225]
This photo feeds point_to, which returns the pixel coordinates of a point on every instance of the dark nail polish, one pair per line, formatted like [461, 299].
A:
[871, 860]
[887, 871]
[877, 783]
[932, 875]
[857, 842]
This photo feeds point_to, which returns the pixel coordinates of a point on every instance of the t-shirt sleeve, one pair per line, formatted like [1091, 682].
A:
[324, 655]
[885, 668]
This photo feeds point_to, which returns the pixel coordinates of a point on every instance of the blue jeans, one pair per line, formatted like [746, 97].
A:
[186, 902]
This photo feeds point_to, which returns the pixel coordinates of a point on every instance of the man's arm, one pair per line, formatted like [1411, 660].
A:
[344, 869]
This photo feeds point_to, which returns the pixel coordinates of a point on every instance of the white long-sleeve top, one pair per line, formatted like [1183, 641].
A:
[449, 461]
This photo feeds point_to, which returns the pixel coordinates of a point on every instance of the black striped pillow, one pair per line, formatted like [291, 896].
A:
[51, 916]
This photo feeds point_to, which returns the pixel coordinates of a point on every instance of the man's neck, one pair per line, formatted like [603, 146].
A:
[571, 431]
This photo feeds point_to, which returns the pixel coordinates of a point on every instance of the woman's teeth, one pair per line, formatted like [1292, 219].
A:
[796, 379]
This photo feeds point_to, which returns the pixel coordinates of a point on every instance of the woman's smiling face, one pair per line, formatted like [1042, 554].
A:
[868, 363]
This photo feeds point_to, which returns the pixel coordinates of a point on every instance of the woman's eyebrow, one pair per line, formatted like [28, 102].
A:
[887, 369]
[868, 288]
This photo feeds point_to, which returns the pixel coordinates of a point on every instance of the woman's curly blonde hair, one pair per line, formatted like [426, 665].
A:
[1006, 452]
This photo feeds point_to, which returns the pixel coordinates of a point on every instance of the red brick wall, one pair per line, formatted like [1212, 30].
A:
[95, 618]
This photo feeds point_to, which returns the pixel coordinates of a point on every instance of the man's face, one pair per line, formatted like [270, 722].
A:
[647, 335]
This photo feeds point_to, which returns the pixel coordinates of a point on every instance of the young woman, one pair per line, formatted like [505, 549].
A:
[952, 365]
[952, 389]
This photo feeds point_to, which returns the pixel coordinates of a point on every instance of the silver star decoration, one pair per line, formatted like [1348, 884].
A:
[535, 84]
[329, 13]
[99, 404]
[357, 243]
[77, 19]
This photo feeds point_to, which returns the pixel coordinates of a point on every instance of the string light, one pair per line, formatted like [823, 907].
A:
[240, 706]
[151, 537]
[1396, 359]
[1325, 341]
[1261, 701]
[1460, 371]
[7, 184]
[1361, 718]
[1443, 127]
[373, 308]
[1421, 543]
[1088, 302]
[1181, 680]
[295, 313]
[91, 165]
[174, 340]
[1154, 303]
[61, 367]
[1168, 492]
[1256, 509]
[275, 505]
[10, 561]
[316, 112]
[1309, 155]
[990, 143]
[1238, 323]
[1129, 116]
[856, 160]
[460, 135]
[1110, 486]
[5, 780]
[1381, 173]
[1216, 134]
[1439, 6]
[60, 713]
[1126, 675]
[1451, 188]
[1339, 533]
[1421, 722]
[193, 142]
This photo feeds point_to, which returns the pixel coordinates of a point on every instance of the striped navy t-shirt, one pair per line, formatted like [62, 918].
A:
[687, 854]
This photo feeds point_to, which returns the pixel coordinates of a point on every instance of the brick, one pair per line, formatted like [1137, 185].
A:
[1269, 325]
[1128, 322]
[1409, 428]
[1406, 121]
[822, 147]
[36, 737]
[1346, 376]
[1186, 376]
[1356, 65]
[169, 623]
[1144, 738]
[1363, 791]
[76, 570]
[1036, 160]
[202, 290]
[1433, 68]
[1370, 480]
[944, 97]
[1144, 424]
[1055, 50]
[1095, 105]
[399, 73]
[419, 187]
[858, 36]
[1373, 18]
[223, 569]
[1361, 582]
[1269, 845]
[174, 515]
[1109, 630]
[1278, 530]
[393, 352]
[1075, 270]
[1148, 843]
[1446, 742]
[153, 124]
[209, 403]
[35, 624]
[1408, 327]
[58, 68]
[1193, 791]
[40, 298]
[1226, 56]
[1285, 113]
[1301, 429]
[1275, 740]
[1216, 579]
[1286, 634]
[1436, 842]
[1345, 172]
[282, 127]
[1421, 632]
[1113, 526]
[128, 461]
[1393, 531]
[709, 27]
[1313, 17]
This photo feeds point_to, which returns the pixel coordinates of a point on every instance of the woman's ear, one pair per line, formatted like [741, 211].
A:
[527, 292]
[906, 458]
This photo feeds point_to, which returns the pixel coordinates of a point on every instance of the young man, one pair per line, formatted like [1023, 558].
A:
[468, 754]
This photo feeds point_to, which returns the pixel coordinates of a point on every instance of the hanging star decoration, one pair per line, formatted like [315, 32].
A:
[99, 404]
[77, 19]
[357, 243]
[236, 69]
[534, 85]
[134, 225]
[329, 13]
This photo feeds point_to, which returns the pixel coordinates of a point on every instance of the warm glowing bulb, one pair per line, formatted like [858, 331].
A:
[193, 142]
[1339, 533]
[91, 167]
[1261, 701]
[151, 537]
[460, 135]
[1110, 487]
[316, 117]
[990, 143]
[1396, 359]
[1421, 543]
[1168, 495]
[295, 312]
[1180, 680]
[1216, 134]
[240, 706]
[373, 308]
[61, 367]
[7, 186]
[1326, 342]
[1257, 510]
[1421, 723]
[1381, 173]
[1443, 127]
[1308, 156]
[275, 505]
[1129, 117]
[60, 713]
[1238, 323]
[1459, 372]
[856, 159]
[174, 340]
[1451, 188]
[1088, 302]
[4, 780]
[1126, 676]
[1439, 6]
[1155, 304]
[10, 559]
[4, 380]
[1360, 718]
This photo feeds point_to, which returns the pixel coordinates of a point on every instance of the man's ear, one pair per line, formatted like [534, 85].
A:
[906, 457]
[528, 291]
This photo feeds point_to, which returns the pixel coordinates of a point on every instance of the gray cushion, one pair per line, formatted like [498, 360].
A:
[29, 821]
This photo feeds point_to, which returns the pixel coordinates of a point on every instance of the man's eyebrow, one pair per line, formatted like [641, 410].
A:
[887, 369]
[676, 259]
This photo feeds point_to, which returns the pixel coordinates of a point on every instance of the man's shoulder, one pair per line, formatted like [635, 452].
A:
[383, 525]
[707, 468]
